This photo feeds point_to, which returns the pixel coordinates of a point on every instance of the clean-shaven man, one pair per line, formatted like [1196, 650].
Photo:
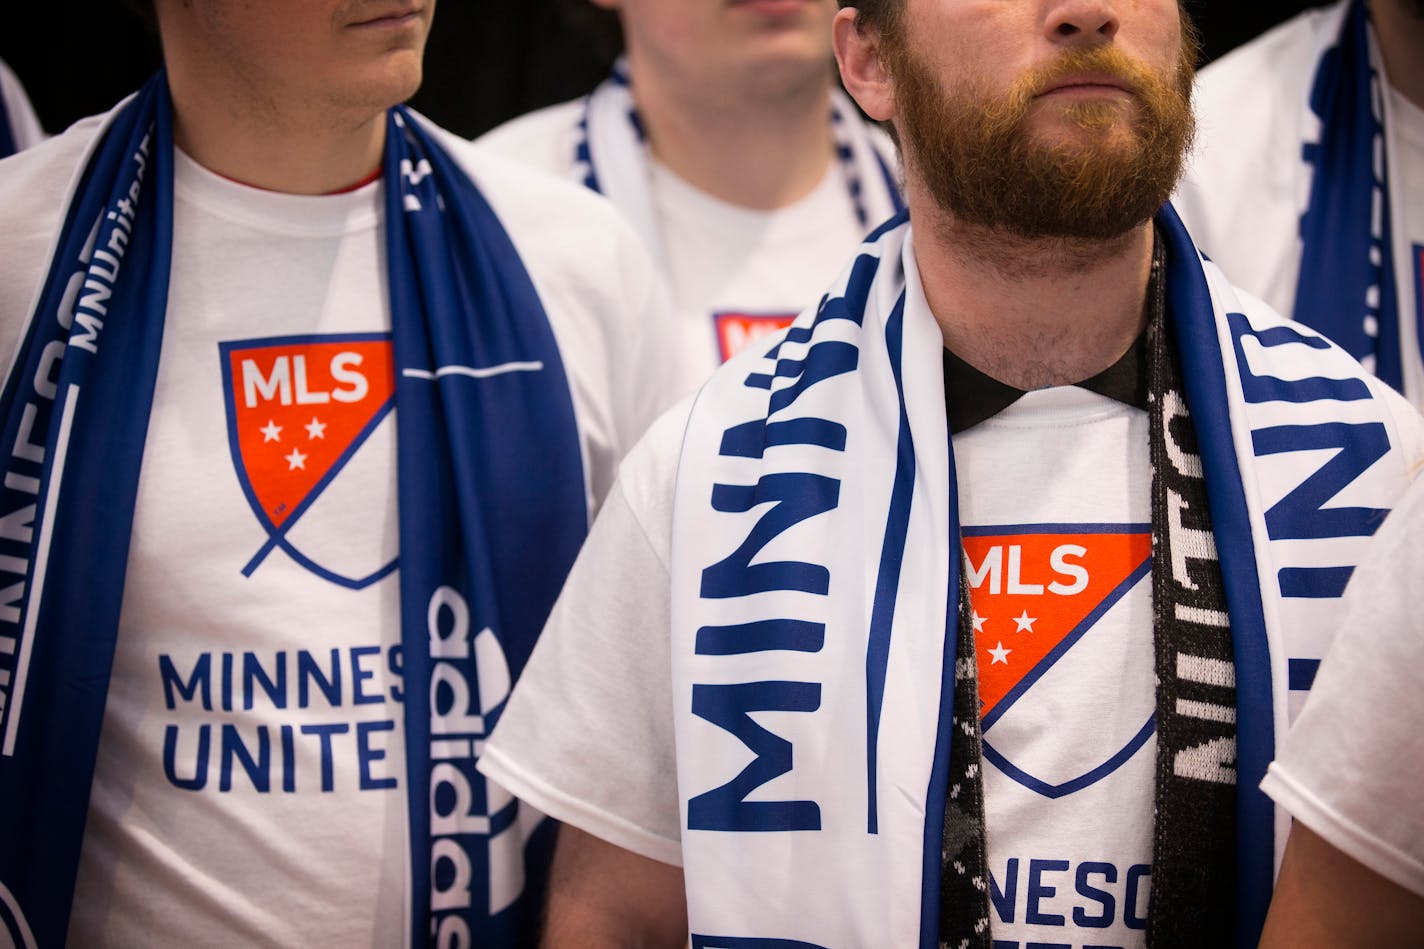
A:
[308, 410]
[721, 138]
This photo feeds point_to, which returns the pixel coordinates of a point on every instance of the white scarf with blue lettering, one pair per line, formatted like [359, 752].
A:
[611, 157]
[815, 573]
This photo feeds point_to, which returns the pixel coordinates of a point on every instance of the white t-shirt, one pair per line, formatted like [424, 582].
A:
[1350, 768]
[24, 124]
[1056, 515]
[736, 274]
[1059, 556]
[250, 781]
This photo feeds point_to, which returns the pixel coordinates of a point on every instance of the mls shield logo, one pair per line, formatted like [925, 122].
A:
[299, 412]
[1039, 596]
[737, 331]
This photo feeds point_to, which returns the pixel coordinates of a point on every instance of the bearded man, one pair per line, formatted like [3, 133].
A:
[1308, 177]
[968, 615]
[721, 138]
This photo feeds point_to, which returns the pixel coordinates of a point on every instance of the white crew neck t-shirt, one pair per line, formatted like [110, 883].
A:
[1056, 516]
[250, 785]
[738, 274]
[254, 706]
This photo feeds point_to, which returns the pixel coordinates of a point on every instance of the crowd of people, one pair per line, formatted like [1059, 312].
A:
[878, 473]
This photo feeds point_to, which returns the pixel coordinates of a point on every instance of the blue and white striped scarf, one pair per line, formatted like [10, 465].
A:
[475, 554]
[815, 577]
[611, 157]
[1348, 288]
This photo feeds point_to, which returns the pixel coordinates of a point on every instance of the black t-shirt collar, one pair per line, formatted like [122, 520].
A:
[970, 396]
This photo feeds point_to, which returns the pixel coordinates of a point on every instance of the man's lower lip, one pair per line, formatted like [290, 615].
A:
[773, 7]
[390, 22]
[1087, 89]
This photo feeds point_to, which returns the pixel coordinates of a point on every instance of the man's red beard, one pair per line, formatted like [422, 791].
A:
[1113, 167]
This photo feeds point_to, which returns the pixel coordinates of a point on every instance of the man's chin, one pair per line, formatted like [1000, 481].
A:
[1073, 145]
[1082, 125]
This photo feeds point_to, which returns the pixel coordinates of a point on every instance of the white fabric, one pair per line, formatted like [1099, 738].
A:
[1349, 770]
[741, 274]
[1247, 183]
[317, 857]
[606, 654]
[735, 273]
[24, 124]
[589, 735]
[1056, 512]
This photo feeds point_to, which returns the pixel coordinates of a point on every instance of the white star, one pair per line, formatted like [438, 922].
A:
[296, 460]
[979, 622]
[271, 433]
[1025, 622]
[315, 429]
[1000, 654]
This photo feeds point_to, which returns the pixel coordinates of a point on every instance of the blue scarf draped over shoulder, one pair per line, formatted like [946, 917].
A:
[491, 495]
[1347, 288]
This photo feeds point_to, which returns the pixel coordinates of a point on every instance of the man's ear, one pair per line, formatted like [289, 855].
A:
[863, 70]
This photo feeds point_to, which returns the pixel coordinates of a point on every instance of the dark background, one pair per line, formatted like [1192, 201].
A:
[487, 61]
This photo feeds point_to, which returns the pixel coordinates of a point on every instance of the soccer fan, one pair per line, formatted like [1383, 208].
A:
[19, 126]
[1353, 871]
[721, 139]
[1308, 177]
[310, 407]
[970, 614]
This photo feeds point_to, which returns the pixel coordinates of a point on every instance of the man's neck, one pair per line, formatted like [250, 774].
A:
[271, 148]
[762, 150]
[1401, 42]
[1033, 313]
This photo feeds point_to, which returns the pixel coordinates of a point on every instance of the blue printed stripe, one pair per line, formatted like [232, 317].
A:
[1314, 583]
[999, 530]
[937, 796]
[1055, 791]
[748, 942]
[887, 583]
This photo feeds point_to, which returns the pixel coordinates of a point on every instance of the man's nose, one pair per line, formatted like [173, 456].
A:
[1083, 21]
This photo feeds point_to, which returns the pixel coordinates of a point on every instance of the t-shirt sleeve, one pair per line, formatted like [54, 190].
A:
[1350, 768]
[587, 736]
